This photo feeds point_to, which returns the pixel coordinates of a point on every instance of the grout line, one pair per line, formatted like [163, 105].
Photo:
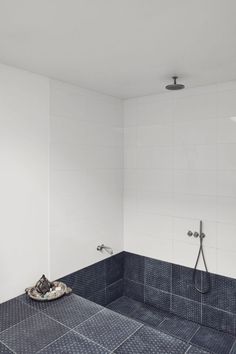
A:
[194, 334]
[187, 350]
[81, 323]
[54, 341]
[90, 340]
[18, 323]
[13, 351]
[234, 343]
[128, 338]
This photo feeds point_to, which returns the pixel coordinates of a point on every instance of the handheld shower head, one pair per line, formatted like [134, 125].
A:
[175, 86]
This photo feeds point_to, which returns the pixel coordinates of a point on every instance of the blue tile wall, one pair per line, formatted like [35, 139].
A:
[170, 287]
[157, 298]
[189, 309]
[101, 282]
[158, 274]
[161, 284]
[134, 267]
[134, 290]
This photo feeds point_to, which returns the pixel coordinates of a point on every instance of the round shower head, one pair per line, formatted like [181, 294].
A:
[175, 86]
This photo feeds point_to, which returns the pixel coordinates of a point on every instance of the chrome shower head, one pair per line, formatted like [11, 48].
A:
[175, 86]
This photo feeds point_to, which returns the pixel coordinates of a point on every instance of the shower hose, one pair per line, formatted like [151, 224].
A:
[201, 251]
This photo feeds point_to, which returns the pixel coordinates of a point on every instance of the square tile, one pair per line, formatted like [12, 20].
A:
[157, 298]
[73, 343]
[222, 294]
[108, 328]
[124, 305]
[37, 305]
[134, 290]
[213, 341]
[182, 282]
[134, 267]
[114, 268]
[158, 274]
[99, 297]
[12, 312]
[72, 310]
[148, 315]
[147, 340]
[114, 291]
[179, 328]
[185, 308]
[4, 349]
[218, 319]
[32, 334]
[87, 280]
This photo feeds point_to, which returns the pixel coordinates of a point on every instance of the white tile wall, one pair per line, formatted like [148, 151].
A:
[180, 167]
[86, 183]
[24, 134]
[72, 138]
[180, 162]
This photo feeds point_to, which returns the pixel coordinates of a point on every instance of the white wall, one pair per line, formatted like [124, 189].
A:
[24, 118]
[86, 177]
[59, 146]
[180, 167]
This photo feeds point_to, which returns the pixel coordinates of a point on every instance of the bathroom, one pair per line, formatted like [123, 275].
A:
[118, 177]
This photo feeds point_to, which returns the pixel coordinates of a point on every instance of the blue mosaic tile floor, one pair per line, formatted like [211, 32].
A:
[75, 325]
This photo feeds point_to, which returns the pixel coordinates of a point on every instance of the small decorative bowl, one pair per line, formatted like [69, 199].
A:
[57, 290]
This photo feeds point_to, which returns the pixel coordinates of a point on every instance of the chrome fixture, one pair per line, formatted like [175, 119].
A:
[201, 236]
[103, 247]
[175, 86]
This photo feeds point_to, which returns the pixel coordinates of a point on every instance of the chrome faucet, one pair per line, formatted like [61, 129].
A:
[103, 247]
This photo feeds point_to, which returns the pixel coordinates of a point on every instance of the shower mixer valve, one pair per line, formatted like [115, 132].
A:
[195, 234]
[201, 236]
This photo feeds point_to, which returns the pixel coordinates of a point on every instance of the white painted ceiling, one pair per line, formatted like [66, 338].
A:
[123, 48]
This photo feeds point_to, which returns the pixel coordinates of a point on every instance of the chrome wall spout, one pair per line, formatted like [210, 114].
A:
[103, 247]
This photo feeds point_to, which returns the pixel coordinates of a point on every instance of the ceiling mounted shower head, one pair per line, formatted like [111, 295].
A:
[175, 86]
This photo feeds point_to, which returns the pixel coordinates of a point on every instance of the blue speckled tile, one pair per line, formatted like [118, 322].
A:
[182, 282]
[12, 312]
[134, 290]
[108, 328]
[179, 328]
[195, 350]
[185, 308]
[222, 294]
[87, 280]
[134, 267]
[149, 341]
[218, 319]
[99, 297]
[114, 268]
[213, 341]
[73, 343]
[37, 305]
[157, 298]
[124, 305]
[72, 310]
[114, 291]
[148, 315]
[158, 274]
[4, 349]
[32, 334]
